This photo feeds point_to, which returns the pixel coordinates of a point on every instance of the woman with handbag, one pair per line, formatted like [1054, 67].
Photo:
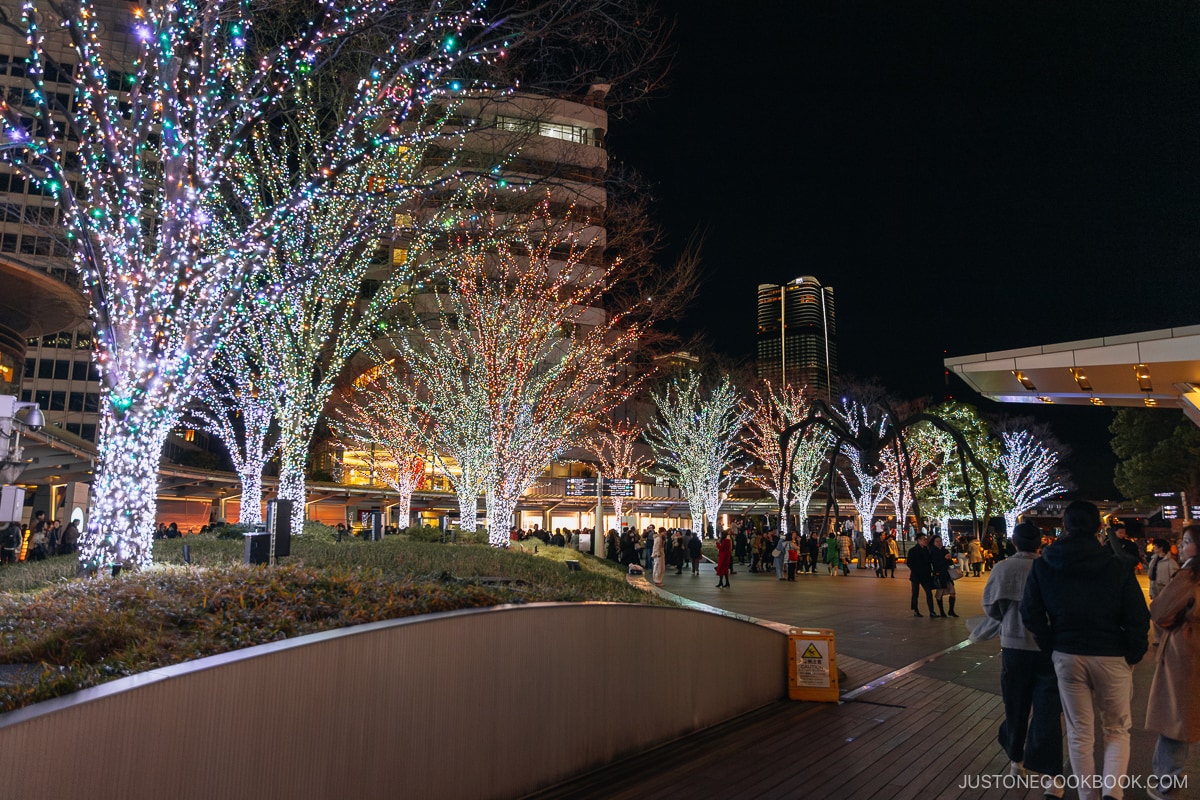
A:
[1174, 707]
[943, 583]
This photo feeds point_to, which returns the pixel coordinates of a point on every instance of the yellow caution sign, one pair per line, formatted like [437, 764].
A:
[812, 665]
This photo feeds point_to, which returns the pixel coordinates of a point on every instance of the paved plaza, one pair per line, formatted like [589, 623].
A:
[920, 705]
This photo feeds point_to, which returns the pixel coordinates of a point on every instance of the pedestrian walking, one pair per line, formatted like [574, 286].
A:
[1031, 733]
[1161, 570]
[943, 582]
[920, 574]
[695, 549]
[724, 560]
[831, 553]
[1086, 607]
[893, 554]
[844, 553]
[1173, 711]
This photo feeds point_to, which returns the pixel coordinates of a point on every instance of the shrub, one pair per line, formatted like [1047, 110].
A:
[423, 533]
[319, 530]
[230, 531]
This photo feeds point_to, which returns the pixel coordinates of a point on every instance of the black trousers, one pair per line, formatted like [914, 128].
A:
[1028, 683]
[916, 591]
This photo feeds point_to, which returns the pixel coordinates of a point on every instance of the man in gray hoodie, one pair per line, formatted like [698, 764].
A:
[1027, 679]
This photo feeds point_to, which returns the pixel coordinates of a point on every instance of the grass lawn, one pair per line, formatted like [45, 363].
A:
[70, 633]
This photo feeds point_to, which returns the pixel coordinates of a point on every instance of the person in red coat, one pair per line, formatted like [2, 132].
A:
[724, 559]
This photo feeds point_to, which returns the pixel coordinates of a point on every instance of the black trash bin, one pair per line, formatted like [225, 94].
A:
[258, 547]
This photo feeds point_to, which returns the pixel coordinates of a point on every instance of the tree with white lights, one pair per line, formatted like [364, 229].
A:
[770, 412]
[695, 437]
[947, 498]
[615, 446]
[309, 314]
[390, 436]
[158, 120]
[867, 487]
[1030, 462]
[519, 360]
[233, 402]
[909, 467]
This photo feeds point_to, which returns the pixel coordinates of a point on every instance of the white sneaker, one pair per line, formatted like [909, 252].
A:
[1056, 788]
[1157, 794]
[1015, 768]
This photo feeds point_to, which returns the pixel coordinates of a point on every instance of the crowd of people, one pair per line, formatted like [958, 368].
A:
[1073, 623]
[38, 540]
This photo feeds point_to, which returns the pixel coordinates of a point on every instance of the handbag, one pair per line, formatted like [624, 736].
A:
[955, 573]
[776, 553]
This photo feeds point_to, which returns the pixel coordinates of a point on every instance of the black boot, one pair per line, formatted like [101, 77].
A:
[916, 613]
[941, 608]
[952, 606]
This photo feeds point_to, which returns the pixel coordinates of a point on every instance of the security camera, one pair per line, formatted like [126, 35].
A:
[34, 419]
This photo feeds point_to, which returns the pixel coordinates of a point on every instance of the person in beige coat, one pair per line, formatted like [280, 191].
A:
[1173, 711]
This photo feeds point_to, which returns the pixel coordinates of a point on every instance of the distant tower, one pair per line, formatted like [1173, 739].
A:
[797, 335]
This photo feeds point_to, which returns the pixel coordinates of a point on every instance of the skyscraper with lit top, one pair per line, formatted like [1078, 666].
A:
[797, 335]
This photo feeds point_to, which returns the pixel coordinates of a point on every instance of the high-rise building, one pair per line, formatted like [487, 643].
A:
[797, 335]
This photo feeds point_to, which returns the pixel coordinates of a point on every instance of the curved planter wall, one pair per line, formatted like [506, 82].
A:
[486, 703]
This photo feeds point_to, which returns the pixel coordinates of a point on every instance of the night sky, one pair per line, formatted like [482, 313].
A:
[966, 176]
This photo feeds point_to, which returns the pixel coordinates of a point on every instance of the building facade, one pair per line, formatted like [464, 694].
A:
[797, 335]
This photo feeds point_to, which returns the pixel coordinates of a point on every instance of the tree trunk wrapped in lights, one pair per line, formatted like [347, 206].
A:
[615, 447]
[770, 413]
[519, 361]
[924, 472]
[867, 489]
[389, 434]
[158, 122]
[232, 403]
[695, 437]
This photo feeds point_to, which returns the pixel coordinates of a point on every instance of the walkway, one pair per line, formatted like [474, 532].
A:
[920, 708]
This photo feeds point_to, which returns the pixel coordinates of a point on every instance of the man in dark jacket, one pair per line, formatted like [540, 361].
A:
[1084, 605]
[695, 547]
[920, 573]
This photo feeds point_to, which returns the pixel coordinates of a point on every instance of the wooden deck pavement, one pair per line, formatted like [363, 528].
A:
[912, 737]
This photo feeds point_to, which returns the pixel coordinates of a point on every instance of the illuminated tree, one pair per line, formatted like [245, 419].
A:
[867, 488]
[1030, 463]
[519, 360]
[234, 404]
[947, 498]
[389, 434]
[695, 437]
[900, 485]
[158, 120]
[615, 446]
[769, 413]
